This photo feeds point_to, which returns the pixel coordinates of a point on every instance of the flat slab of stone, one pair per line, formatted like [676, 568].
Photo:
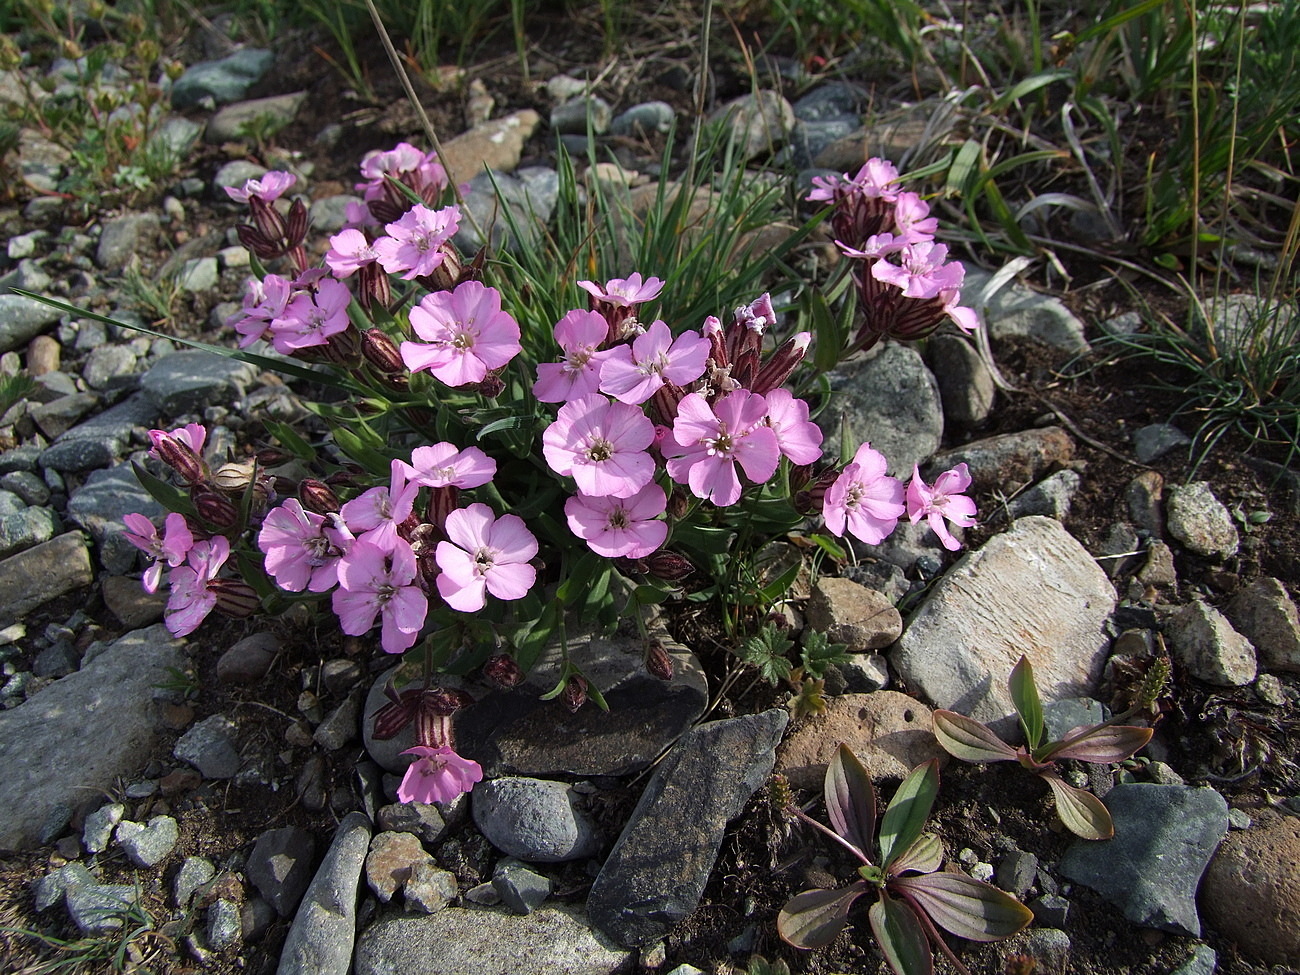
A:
[1032, 590]
[497, 145]
[1009, 460]
[465, 941]
[185, 382]
[33, 577]
[321, 938]
[72, 740]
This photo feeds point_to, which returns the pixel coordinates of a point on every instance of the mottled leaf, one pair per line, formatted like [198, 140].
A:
[815, 918]
[967, 739]
[1024, 695]
[899, 933]
[1082, 813]
[923, 856]
[967, 907]
[908, 810]
[851, 800]
[1112, 744]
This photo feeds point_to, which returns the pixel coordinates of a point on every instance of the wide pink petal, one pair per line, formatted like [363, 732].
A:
[511, 580]
[510, 540]
[468, 527]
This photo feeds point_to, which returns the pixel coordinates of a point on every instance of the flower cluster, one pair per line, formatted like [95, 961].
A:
[907, 286]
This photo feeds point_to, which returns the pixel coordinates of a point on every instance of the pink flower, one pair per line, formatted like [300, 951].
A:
[602, 445]
[614, 527]
[437, 775]
[312, 317]
[877, 245]
[796, 436]
[171, 547]
[945, 500]
[579, 334]
[349, 252]
[877, 178]
[912, 218]
[484, 554]
[404, 162]
[923, 273]
[632, 374]
[264, 301]
[708, 442]
[375, 514]
[192, 598]
[268, 189]
[441, 465]
[414, 242]
[624, 292]
[192, 435]
[465, 334]
[302, 547]
[864, 499]
[374, 582]
[965, 318]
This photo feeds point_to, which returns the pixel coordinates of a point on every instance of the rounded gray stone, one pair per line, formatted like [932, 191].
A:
[1199, 520]
[536, 820]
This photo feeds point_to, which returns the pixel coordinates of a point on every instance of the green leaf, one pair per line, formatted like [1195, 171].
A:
[1024, 695]
[923, 856]
[815, 918]
[778, 587]
[900, 936]
[766, 650]
[908, 810]
[1083, 814]
[967, 739]
[830, 547]
[361, 449]
[818, 653]
[967, 907]
[1114, 743]
[851, 800]
[165, 494]
[290, 440]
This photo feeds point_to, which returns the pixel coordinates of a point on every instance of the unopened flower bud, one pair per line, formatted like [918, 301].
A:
[781, 364]
[375, 286]
[271, 457]
[574, 695]
[234, 478]
[669, 565]
[296, 223]
[503, 671]
[447, 274]
[179, 456]
[318, 496]
[267, 219]
[678, 503]
[235, 597]
[491, 387]
[658, 662]
[216, 510]
[400, 710]
[381, 351]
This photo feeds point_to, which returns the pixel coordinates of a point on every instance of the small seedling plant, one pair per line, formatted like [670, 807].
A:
[1082, 813]
[913, 897]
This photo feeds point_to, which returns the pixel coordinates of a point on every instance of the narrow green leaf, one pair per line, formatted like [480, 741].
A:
[967, 907]
[815, 918]
[1027, 86]
[963, 168]
[1110, 744]
[289, 439]
[923, 856]
[851, 800]
[967, 739]
[165, 494]
[1083, 814]
[1024, 695]
[901, 938]
[830, 546]
[908, 810]
[777, 588]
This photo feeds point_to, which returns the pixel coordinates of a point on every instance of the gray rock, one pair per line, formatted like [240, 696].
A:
[534, 819]
[340, 725]
[575, 115]
[864, 673]
[147, 845]
[328, 214]
[1018, 312]
[460, 941]
[657, 870]
[1153, 441]
[24, 529]
[542, 190]
[244, 121]
[1016, 872]
[881, 575]
[832, 99]
[57, 660]
[1008, 461]
[1164, 838]
[104, 714]
[196, 276]
[99, 506]
[648, 118]
[890, 400]
[186, 382]
[125, 236]
[1204, 961]
[858, 617]
[1032, 590]
[1050, 497]
[21, 319]
[1050, 910]
[1236, 319]
[210, 747]
[966, 386]
[1200, 521]
[97, 831]
[27, 486]
[1264, 613]
[495, 200]
[234, 175]
[255, 919]
[759, 122]
[177, 135]
[422, 819]
[280, 866]
[1063, 716]
[50, 889]
[98, 908]
[321, 937]
[520, 889]
[221, 81]
[224, 924]
[429, 888]
[515, 733]
[24, 245]
[808, 139]
[1203, 641]
[1116, 551]
[389, 862]
[101, 440]
[248, 661]
[909, 547]
[10, 504]
[194, 872]
[63, 412]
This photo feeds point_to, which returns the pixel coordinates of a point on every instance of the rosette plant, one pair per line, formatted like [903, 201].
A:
[1082, 813]
[899, 866]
